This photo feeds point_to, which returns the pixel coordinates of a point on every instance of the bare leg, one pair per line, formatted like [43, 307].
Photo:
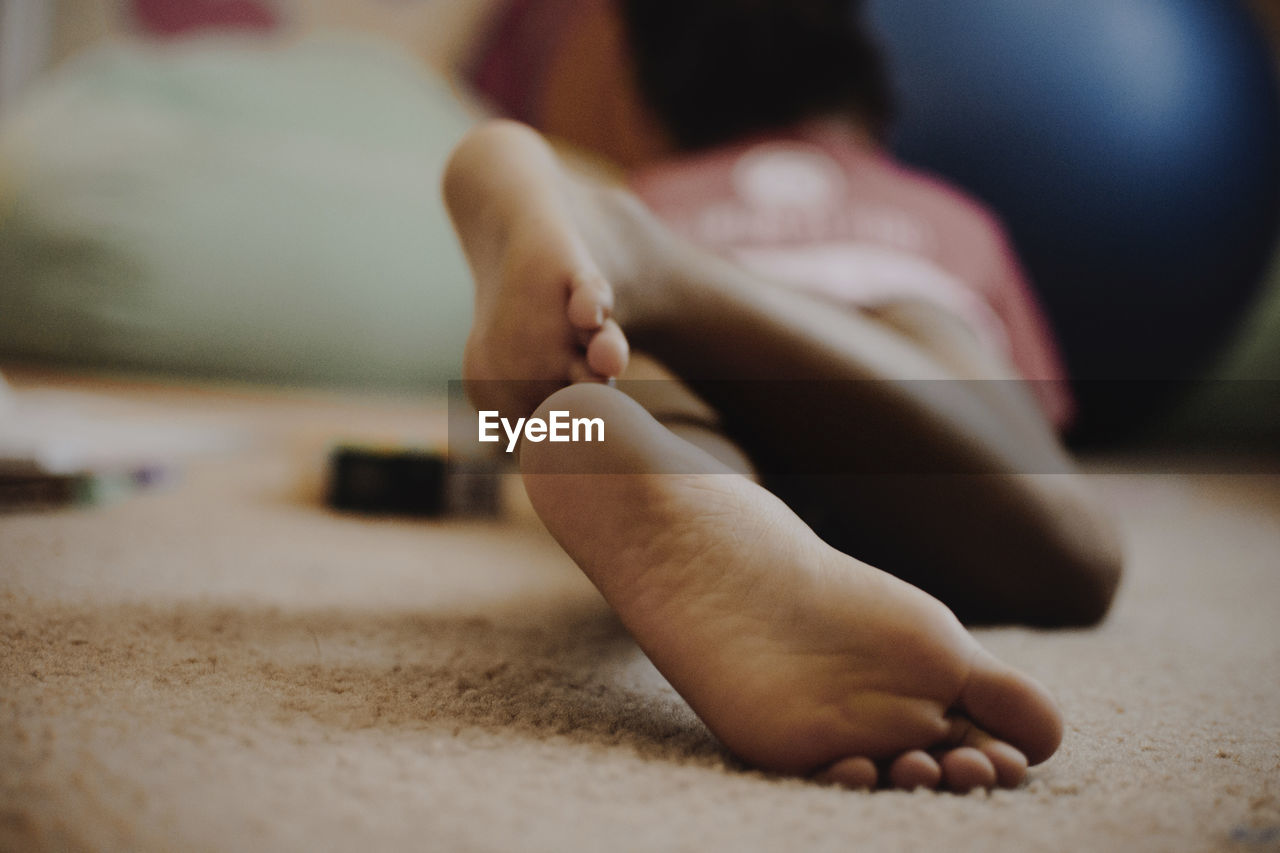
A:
[964, 489]
[1014, 543]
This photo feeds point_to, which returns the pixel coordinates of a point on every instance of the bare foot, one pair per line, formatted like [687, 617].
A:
[543, 308]
[800, 659]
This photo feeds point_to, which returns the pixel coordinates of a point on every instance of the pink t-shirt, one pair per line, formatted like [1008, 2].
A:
[820, 209]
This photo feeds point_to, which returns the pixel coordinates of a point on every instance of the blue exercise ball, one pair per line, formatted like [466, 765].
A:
[1132, 148]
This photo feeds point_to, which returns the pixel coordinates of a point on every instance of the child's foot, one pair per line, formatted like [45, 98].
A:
[800, 659]
[543, 306]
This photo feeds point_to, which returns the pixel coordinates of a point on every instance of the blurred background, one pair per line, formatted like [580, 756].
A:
[248, 189]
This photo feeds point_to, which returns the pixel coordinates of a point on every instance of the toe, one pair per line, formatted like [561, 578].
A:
[966, 768]
[590, 301]
[1009, 763]
[857, 773]
[1013, 708]
[608, 352]
[915, 769]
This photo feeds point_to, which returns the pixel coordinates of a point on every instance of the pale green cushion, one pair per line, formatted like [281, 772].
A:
[223, 209]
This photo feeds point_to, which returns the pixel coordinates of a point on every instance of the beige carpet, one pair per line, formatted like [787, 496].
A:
[227, 666]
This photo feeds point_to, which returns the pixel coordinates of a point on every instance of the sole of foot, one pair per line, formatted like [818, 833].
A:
[801, 659]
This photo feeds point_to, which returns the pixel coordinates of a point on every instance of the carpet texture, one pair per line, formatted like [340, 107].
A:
[225, 665]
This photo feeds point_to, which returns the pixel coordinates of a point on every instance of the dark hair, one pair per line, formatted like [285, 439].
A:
[716, 70]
